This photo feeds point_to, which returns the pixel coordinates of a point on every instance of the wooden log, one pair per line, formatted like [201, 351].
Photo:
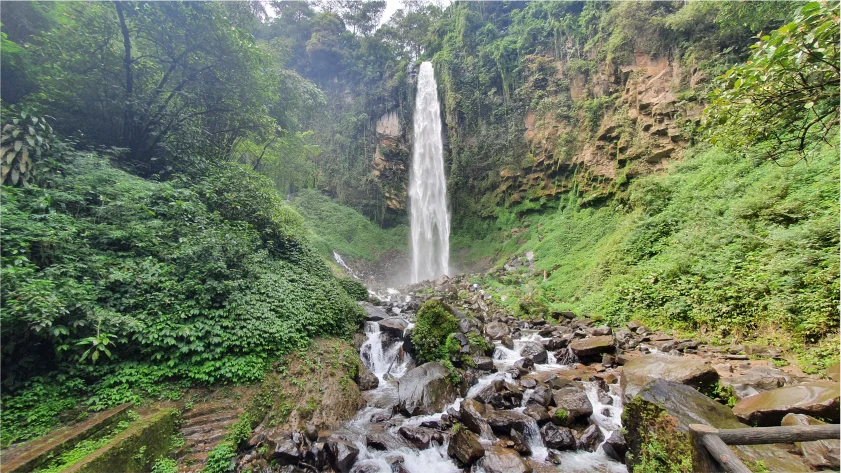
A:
[722, 454]
[702, 461]
[788, 434]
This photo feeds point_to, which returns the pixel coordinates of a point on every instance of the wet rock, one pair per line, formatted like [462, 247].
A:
[528, 383]
[541, 396]
[483, 363]
[756, 380]
[535, 351]
[316, 455]
[501, 395]
[685, 406]
[518, 443]
[685, 370]
[341, 454]
[366, 380]
[821, 453]
[555, 343]
[507, 342]
[286, 452]
[383, 440]
[605, 398]
[575, 402]
[503, 421]
[419, 437]
[375, 314]
[589, 439]
[608, 360]
[546, 331]
[497, 330]
[525, 364]
[633, 325]
[615, 446]
[601, 330]
[593, 346]
[472, 415]
[537, 412]
[502, 460]
[465, 448]
[393, 327]
[817, 399]
[425, 390]
[559, 438]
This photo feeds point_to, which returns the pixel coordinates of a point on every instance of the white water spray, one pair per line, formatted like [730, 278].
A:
[430, 220]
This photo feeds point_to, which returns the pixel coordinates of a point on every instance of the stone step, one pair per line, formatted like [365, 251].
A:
[193, 462]
[221, 424]
[207, 409]
[212, 418]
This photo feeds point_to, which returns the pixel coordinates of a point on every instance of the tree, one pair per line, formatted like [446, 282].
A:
[158, 78]
[784, 99]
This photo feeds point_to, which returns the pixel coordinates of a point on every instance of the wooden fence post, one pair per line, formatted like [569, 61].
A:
[702, 461]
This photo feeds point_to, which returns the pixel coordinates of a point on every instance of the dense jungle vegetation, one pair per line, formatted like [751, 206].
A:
[175, 175]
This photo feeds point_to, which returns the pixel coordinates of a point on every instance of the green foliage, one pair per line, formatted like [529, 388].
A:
[98, 262]
[335, 227]
[220, 459]
[662, 447]
[785, 97]
[433, 325]
[718, 244]
[37, 408]
[165, 465]
[562, 416]
[24, 138]
[84, 448]
[354, 288]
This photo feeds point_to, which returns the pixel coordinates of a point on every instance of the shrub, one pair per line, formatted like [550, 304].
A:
[354, 288]
[433, 324]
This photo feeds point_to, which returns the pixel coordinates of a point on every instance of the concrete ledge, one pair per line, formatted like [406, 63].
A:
[123, 453]
[27, 457]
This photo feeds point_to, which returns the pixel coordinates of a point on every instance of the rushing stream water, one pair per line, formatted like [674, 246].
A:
[430, 220]
[385, 358]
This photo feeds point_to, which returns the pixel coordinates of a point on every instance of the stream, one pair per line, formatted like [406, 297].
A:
[385, 358]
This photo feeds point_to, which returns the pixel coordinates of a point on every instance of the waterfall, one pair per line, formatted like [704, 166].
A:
[430, 220]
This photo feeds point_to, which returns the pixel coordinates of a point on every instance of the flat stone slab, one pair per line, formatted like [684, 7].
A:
[591, 346]
[681, 369]
[375, 314]
[27, 457]
[817, 399]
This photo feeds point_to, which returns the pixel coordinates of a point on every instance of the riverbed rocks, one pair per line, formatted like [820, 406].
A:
[501, 395]
[615, 446]
[534, 351]
[557, 437]
[502, 422]
[503, 460]
[592, 346]
[820, 453]
[756, 380]
[497, 330]
[425, 389]
[393, 327]
[366, 380]
[685, 370]
[589, 438]
[574, 401]
[341, 454]
[472, 414]
[816, 399]
[465, 448]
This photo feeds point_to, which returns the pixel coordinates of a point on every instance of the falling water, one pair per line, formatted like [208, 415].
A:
[430, 221]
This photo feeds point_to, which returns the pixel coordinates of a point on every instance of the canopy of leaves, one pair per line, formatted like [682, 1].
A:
[784, 99]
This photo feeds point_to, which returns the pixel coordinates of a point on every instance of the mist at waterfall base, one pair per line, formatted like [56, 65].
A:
[429, 216]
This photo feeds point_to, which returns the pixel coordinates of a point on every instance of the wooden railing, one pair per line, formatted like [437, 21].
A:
[711, 453]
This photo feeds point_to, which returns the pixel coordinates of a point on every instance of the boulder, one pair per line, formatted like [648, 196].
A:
[383, 440]
[575, 402]
[419, 437]
[535, 351]
[472, 415]
[503, 421]
[366, 380]
[541, 396]
[592, 346]
[375, 314]
[317, 455]
[756, 380]
[501, 395]
[817, 399]
[559, 438]
[425, 390]
[821, 453]
[483, 363]
[601, 331]
[393, 327]
[502, 460]
[615, 446]
[525, 364]
[465, 448]
[286, 452]
[507, 342]
[589, 439]
[682, 405]
[341, 454]
[685, 370]
[497, 330]
[537, 412]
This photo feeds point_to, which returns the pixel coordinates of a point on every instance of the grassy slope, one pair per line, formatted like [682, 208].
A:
[335, 227]
[718, 244]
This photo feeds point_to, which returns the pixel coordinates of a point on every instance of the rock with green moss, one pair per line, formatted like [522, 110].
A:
[433, 324]
[657, 421]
